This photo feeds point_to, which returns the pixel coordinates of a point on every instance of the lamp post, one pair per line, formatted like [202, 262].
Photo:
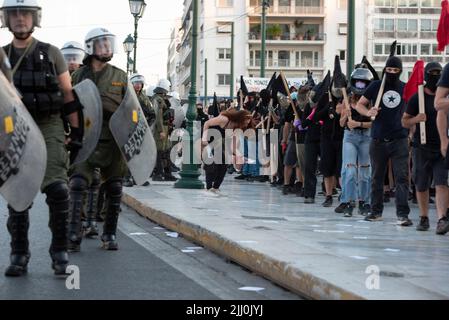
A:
[137, 8]
[130, 65]
[128, 45]
[265, 5]
[190, 171]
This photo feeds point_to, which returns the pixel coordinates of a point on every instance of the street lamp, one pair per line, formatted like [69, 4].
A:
[137, 8]
[128, 45]
[130, 64]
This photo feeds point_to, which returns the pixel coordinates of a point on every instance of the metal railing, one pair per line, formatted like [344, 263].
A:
[290, 37]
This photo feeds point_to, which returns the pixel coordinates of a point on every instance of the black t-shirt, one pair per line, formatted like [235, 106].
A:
[313, 133]
[433, 139]
[388, 123]
[290, 118]
[444, 80]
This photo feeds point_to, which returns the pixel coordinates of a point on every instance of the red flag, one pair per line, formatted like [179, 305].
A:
[416, 79]
[443, 31]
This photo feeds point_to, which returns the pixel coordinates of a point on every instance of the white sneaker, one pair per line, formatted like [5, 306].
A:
[211, 193]
[218, 192]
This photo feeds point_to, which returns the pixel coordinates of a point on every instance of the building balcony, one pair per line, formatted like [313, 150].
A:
[184, 76]
[288, 11]
[186, 55]
[313, 39]
[287, 64]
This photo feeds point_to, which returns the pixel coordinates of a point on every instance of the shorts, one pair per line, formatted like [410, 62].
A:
[331, 157]
[428, 165]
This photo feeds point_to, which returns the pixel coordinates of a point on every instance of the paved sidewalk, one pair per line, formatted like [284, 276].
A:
[306, 248]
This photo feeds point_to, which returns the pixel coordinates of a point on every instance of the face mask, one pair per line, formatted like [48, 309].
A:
[392, 78]
[360, 85]
[431, 82]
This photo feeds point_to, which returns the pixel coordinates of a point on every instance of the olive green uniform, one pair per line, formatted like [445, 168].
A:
[162, 124]
[147, 107]
[112, 85]
[52, 127]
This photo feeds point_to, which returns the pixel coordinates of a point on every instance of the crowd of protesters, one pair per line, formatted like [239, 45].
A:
[364, 138]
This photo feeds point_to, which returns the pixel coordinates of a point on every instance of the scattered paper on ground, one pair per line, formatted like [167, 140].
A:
[257, 289]
[172, 234]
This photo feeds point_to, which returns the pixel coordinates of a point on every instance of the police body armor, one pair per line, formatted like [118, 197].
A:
[38, 83]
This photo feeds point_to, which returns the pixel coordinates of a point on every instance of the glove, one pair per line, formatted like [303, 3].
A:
[284, 148]
[76, 143]
[297, 123]
[310, 118]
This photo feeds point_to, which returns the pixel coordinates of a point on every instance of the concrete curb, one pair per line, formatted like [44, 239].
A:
[302, 283]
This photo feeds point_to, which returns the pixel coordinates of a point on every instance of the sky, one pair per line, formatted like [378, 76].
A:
[70, 20]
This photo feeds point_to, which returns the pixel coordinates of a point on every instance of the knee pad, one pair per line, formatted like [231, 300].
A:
[58, 191]
[78, 183]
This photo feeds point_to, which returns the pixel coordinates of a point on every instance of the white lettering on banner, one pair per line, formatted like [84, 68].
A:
[258, 84]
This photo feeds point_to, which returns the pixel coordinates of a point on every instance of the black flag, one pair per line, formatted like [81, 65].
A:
[393, 48]
[339, 78]
[215, 108]
[368, 65]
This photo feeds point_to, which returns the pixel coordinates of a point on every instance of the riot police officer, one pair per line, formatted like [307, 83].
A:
[73, 53]
[112, 84]
[40, 74]
[161, 132]
[138, 81]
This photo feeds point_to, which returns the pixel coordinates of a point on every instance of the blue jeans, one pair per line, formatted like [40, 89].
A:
[252, 170]
[356, 169]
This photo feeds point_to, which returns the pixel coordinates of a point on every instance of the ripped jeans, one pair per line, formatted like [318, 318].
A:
[356, 168]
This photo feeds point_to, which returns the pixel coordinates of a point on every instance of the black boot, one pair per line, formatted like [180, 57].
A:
[91, 228]
[114, 197]
[58, 202]
[78, 187]
[100, 203]
[18, 224]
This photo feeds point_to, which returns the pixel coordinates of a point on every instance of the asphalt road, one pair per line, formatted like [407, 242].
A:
[150, 265]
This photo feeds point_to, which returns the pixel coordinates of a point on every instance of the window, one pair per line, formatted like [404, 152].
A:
[224, 27]
[407, 25]
[384, 3]
[342, 4]
[378, 49]
[225, 3]
[306, 59]
[224, 79]
[284, 58]
[224, 54]
[425, 49]
[426, 25]
[408, 3]
[342, 28]
[384, 24]
[407, 49]
[342, 54]
[430, 3]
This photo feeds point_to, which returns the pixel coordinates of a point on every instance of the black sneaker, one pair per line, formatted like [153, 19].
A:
[404, 222]
[443, 226]
[348, 211]
[286, 190]
[341, 208]
[309, 200]
[328, 202]
[364, 208]
[423, 224]
[373, 217]
[241, 177]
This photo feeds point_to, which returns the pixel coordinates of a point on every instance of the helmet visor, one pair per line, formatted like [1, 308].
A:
[21, 16]
[104, 46]
[360, 84]
[74, 58]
